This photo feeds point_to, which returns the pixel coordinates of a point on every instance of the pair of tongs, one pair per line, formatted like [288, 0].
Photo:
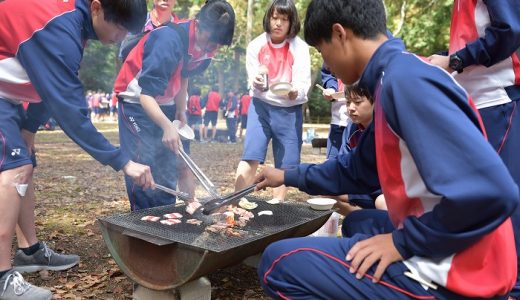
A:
[181, 195]
[214, 204]
[203, 179]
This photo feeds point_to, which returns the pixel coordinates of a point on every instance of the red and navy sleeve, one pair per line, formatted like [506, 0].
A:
[162, 55]
[502, 36]
[51, 58]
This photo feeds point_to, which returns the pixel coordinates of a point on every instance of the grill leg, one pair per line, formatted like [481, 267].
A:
[199, 289]
[144, 293]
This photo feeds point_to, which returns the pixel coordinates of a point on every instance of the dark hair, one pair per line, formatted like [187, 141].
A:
[355, 89]
[284, 7]
[366, 18]
[217, 17]
[195, 91]
[131, 14]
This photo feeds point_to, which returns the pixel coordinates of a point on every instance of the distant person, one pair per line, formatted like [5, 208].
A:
[245, 100]
[277, 55]
[447, 233]
[161, 14]
[95, 105]
[231, 114]
[42, 47]
[113, 107]
[339, 118]
[195, 112]
[211, 113]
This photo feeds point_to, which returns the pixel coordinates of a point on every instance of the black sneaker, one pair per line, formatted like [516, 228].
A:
[44, 259]
[14, 287]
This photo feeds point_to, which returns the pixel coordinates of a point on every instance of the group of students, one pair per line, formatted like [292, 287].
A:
[234, 111]
[453, 215]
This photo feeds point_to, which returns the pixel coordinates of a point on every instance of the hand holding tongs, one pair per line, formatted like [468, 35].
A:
[212, 205]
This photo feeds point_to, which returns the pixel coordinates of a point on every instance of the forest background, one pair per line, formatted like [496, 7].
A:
[422, 24]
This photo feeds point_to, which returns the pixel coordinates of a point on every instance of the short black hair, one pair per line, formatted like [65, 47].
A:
[366, 18]
[131, 14]
[284, 7]
[217, 17]
[356, 90]
[195, 91]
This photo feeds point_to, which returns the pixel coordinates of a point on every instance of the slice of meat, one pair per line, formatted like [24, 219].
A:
[150, 218]
[192, 207]
[173, 216]
[170, 221]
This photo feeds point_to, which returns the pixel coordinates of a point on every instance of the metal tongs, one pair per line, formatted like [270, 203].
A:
[204, 180]
[214, 204]
[181, 195]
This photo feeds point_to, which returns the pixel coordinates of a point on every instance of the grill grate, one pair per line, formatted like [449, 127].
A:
[285, 216]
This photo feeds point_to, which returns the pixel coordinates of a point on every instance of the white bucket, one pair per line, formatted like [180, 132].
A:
[330, 228]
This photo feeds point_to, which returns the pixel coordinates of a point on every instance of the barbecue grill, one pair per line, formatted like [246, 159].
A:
[163, 257]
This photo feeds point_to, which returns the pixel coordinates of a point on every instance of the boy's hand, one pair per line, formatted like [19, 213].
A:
[378, 249]
[441, 61]
[327, 94]
[140, 174]
[269, 177]
[171, 138]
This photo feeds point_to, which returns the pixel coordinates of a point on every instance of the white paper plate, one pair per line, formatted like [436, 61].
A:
[281, 88]
[321, 203]
[185, 131]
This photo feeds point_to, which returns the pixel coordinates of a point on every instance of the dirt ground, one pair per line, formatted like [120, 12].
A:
[73, 190]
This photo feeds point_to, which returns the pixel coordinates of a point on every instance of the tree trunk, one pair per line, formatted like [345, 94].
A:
[250, 15]
[236, 71]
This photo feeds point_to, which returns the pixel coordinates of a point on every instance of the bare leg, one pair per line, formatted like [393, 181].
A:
[26, 229]
[245, 175]
[204, 133]
[10, 204]
[213, 131]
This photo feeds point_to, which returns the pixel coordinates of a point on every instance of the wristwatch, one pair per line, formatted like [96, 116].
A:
[456, 63]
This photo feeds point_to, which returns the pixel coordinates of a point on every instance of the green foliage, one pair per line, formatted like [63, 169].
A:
[98, 67]
[424, 26]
